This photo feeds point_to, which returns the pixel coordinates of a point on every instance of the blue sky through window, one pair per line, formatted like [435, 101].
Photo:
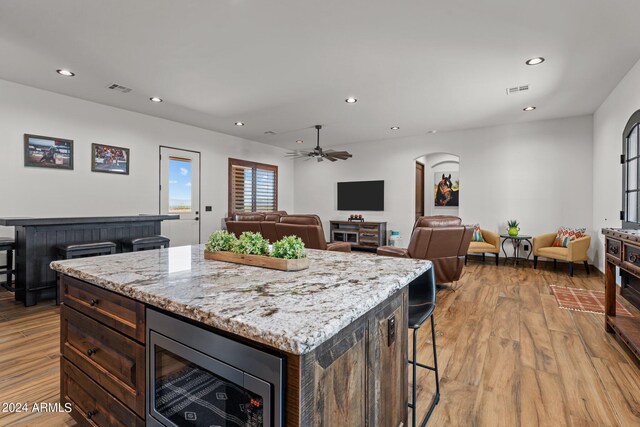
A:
[180, 178]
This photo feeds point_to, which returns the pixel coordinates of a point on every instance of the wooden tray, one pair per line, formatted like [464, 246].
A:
[259, 261]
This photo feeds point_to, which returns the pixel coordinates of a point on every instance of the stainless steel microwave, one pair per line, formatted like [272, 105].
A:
[198, 378]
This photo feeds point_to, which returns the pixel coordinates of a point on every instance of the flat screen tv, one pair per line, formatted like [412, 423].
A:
[361, 196]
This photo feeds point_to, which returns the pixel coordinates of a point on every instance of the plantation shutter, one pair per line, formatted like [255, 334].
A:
[265, 190]
[252, 187]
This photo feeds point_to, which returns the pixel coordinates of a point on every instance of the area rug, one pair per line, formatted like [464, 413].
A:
[584, 300]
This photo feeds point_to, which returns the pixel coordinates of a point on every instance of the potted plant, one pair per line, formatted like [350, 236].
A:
[513, 227]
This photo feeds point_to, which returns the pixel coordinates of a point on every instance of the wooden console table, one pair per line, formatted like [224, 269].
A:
[366, 235]
[622, 249]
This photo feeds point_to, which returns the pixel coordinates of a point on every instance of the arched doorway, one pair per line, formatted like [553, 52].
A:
[437, 187]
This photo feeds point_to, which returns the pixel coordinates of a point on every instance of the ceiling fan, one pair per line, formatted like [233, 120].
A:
[319, 153]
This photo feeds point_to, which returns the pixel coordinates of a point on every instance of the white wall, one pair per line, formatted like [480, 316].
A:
[608, 125]
[40, 192]
[539, 173]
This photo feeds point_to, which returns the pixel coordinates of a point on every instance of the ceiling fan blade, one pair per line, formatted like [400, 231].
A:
[298, 155]
[331, 159]
[341, 153]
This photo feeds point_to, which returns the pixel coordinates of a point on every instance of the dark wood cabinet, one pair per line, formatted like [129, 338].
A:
[347, 375]
[91, 405]
[120, 313]
[106, 356]
[622, 248]
[103, 355]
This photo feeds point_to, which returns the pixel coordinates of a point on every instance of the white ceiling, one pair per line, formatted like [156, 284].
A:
[286, 65]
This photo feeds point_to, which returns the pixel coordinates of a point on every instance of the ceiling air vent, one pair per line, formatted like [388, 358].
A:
[516, 89]
[269, 132]
[119, 88]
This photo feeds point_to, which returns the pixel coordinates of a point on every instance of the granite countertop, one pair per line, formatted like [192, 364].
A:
[291, 311]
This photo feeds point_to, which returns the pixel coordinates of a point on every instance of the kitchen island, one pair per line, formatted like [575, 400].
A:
[338, 330]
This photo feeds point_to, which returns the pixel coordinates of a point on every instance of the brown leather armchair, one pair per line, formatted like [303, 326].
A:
[309, 229]
[443, 240]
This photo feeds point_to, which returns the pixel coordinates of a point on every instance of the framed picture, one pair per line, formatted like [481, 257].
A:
[48, 152]
[446, 189]
[109, 159]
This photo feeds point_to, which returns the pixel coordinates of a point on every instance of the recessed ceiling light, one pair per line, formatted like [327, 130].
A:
[433, 131]
[66, 73]
[528, 108]
[395, 127]
[239, 124]
[155, 99]
[299, 141]
[350, 100]
[535, 61]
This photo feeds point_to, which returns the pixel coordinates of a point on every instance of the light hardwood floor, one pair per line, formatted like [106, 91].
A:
[508, 356]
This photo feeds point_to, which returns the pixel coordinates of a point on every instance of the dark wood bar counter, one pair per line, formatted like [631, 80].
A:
[622, 248]
[37, 239]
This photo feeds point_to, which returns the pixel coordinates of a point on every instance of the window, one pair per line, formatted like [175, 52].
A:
[630, 174]
[253, 187]
[180, 183]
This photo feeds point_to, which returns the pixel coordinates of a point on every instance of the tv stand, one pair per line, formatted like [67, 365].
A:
[367, 235]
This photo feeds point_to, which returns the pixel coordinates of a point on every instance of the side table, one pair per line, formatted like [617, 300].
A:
[516, 241]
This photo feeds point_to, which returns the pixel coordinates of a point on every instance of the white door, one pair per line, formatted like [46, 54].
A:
[180, 195]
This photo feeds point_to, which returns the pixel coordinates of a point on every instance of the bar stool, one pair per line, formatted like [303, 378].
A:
[80, 250]
[83, 250]
[8, 245]
[422, 302]
[145, 243]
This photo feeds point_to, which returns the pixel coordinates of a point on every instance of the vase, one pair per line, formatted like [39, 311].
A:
[513, 231]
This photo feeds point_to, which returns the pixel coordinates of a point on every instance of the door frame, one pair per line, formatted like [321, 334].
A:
[199, 183]
[415, 196]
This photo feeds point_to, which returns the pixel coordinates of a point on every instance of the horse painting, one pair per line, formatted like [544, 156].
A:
[446, 192]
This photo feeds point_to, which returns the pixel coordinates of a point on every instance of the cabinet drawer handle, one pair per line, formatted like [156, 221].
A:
[91, 414]
[92, 351]
[93, 302]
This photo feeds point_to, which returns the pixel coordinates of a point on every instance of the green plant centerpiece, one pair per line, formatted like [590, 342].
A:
[287, 254]
[513, 227]
[220, 240]
[289, 247]
[250, 243]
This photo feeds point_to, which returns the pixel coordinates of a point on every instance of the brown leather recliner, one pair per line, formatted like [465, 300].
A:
[257, 222]
[443, 240]
[309, 229]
